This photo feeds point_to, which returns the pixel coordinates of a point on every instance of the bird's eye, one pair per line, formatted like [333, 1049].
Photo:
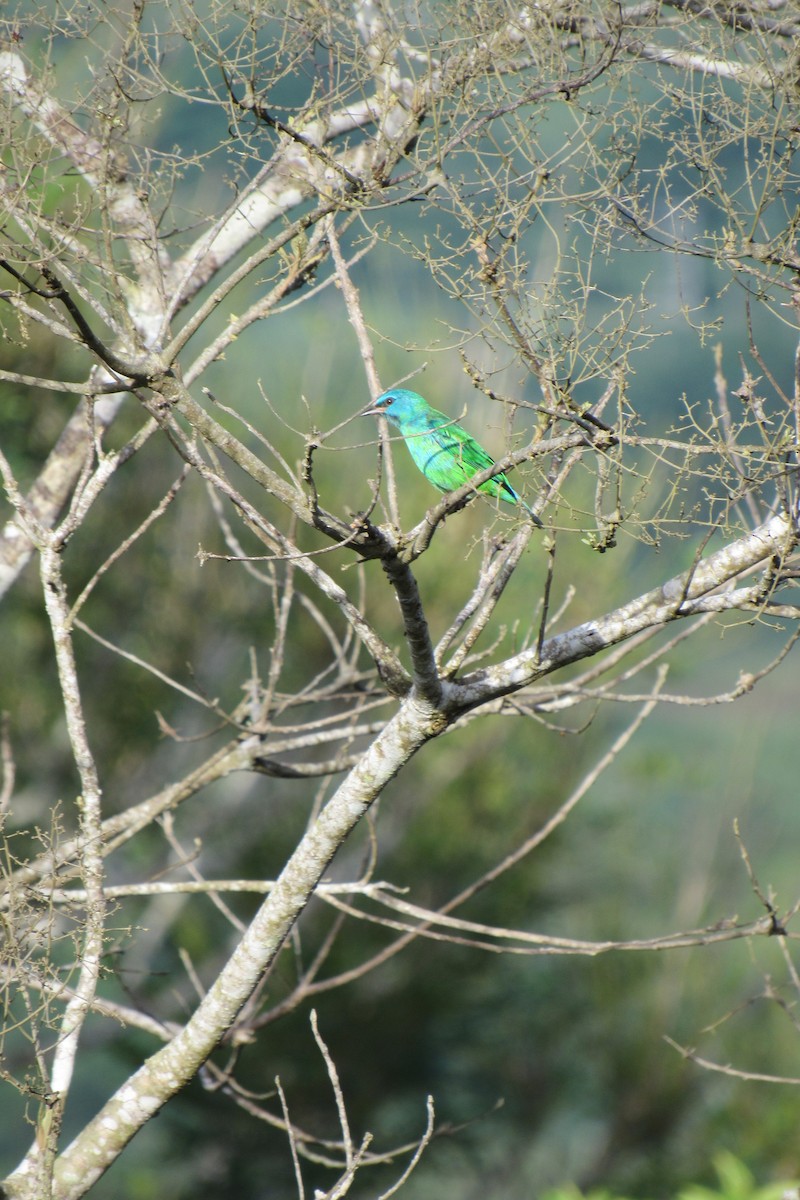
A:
[384, 401]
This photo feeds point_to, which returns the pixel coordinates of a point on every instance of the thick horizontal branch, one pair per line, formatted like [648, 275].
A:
[674, 599]
[441, 927]
[202, 887]
[705, 64]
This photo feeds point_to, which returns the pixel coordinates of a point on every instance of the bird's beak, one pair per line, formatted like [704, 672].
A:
[372, 412]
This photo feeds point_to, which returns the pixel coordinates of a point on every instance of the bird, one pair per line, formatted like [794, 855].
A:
[446, 454]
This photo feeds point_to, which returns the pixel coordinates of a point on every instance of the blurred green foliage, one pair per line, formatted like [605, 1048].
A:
[572, 1047]
[736, 1182]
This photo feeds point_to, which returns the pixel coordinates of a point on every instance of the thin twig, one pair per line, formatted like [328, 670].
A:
[333, 1075]
[356, 318]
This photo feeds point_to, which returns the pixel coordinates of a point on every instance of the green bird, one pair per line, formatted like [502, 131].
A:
[445, 453]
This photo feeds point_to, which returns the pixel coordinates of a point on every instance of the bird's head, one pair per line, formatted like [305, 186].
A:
[400, 406]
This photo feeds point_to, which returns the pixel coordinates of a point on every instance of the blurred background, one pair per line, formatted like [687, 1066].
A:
[545, 1070]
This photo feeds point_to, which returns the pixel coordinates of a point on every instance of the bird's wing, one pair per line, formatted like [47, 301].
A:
[468, 458]
[448, 456]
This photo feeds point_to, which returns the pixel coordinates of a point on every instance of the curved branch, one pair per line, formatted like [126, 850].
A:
[673, 599]
[169, 1069]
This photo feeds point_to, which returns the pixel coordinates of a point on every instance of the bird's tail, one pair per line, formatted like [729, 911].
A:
[537, 520]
